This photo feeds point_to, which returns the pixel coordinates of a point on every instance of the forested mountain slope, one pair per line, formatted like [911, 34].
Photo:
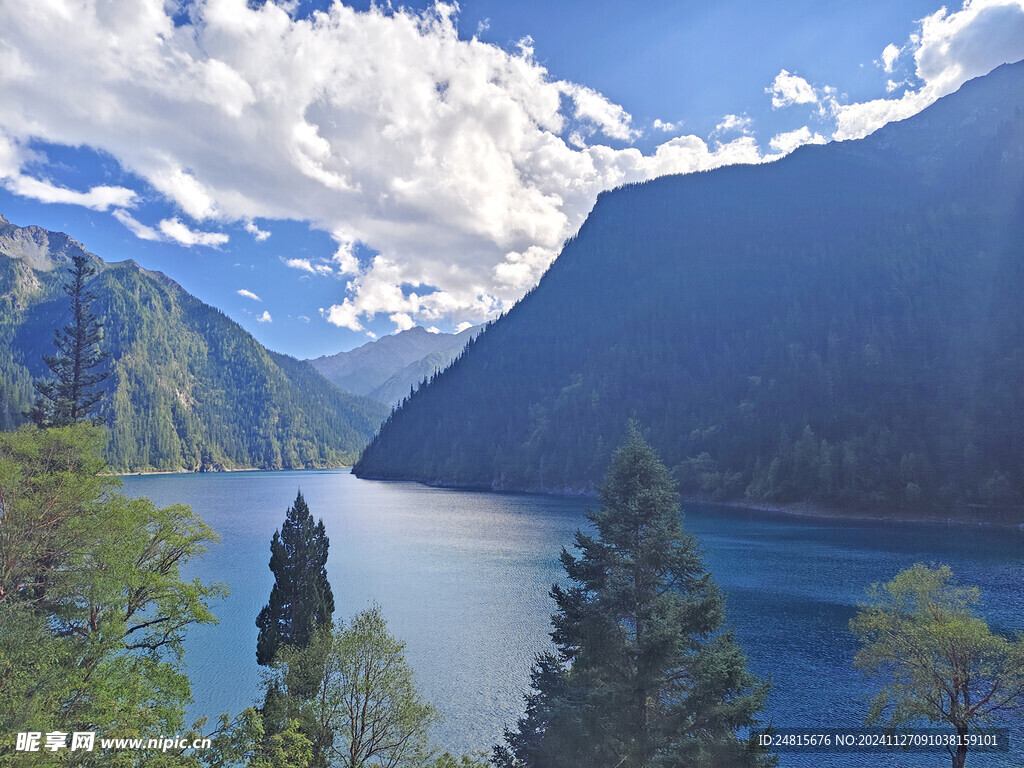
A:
[842, 326]
[190, 389]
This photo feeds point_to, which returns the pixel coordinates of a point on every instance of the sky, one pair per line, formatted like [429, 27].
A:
[328, 173]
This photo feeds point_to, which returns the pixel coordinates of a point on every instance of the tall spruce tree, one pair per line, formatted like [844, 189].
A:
[644, 675]
[301, 599]
[71, 396]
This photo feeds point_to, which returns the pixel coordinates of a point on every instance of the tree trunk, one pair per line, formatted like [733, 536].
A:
[960, 756]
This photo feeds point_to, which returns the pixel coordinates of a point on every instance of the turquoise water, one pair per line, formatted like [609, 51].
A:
[462, 578]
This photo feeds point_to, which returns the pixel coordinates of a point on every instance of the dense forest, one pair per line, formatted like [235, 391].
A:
[842, 326]
[190, 389]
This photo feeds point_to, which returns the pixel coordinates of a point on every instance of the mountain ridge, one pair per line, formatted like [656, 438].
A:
[385, 369]
[190, 389]
[835, 327]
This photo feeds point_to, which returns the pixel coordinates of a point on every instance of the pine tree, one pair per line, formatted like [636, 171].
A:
[301, 599]
[71, 397]
[644, 674]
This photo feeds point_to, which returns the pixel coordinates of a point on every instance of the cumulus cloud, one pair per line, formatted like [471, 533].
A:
[402, 321]
[265, 318]
[343, 315]
[889, 56]
[788, 89]
[662, 125]
[790, 140]
[465, 166]
[344, 258]
[734, 124]
[248, 294]
[948, 50]
[174, 229]
[610, 118]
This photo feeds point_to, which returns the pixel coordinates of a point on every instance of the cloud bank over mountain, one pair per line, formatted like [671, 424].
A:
[448, 171]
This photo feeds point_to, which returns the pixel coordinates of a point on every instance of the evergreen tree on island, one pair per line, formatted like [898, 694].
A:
[301, 599]
[644, 674]
[71, 397]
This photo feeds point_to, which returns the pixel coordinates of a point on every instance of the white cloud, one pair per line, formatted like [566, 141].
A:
[611, 119]
[402, 321]
[174, 229]
[259, 234]
[521, 270]
[265, 318]
[100, 198]
[303, 264]
[662, 125]
[787, 142]
[303, 318]
[13, 155]
[248, 294]
[136, 227]
[462, 326]
[344, 258]
[343, 315]
[889, 56]
[452, 159]
[433, 329]
[788, 89]
[733, 124]
[949, 49]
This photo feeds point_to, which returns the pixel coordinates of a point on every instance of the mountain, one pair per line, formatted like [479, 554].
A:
[386, 369]
[842, 326]
[190, 389]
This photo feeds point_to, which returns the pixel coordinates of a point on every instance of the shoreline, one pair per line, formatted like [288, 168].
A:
[148, 472]
[1013, 520]
[800, 510]
[811, 511]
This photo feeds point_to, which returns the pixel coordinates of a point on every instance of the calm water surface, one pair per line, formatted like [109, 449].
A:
[462, 578]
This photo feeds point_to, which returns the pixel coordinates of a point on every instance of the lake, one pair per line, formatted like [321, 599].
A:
[462, 578]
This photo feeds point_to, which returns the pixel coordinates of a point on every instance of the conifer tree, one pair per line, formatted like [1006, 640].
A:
[71, 397]
[301, 599]
[644, 675]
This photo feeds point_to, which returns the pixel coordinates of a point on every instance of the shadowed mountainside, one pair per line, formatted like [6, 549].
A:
[842, 326]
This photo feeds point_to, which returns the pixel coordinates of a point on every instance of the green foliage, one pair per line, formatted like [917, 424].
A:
[940, 662]
[448, 760]
[352, 693]
[840, 327]
[644, 674]
[71, 397]
[245, 742]
[301, 599]
[93, 609]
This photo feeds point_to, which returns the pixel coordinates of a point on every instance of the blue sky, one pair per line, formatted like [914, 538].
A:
[325, 174]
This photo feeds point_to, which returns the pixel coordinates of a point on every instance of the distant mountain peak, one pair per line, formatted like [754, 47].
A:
[387, 367]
